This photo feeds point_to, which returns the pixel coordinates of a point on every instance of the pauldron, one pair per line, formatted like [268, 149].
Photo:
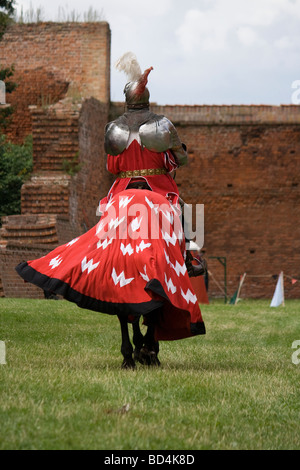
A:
[116, 138]
[156, 133]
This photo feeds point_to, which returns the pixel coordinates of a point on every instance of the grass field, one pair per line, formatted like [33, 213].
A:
[234, 388]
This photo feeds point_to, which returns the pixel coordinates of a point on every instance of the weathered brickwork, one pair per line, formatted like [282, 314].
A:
[246, 173]
[69, 162]
[92, 182]
[244, 166]
[54, 60]
[13, 285]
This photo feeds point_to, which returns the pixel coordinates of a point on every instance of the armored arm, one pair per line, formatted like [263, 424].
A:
[177, 147]
[160, 135]
[116, 137]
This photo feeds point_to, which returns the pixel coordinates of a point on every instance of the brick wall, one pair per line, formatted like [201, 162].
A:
[55, 136]
[54, 60]
[55, 143]
[93, 181]
[13, 284]
[245, 163]
[74, 134]
[244, 166]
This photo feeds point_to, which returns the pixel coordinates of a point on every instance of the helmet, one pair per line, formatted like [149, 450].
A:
[136, 92]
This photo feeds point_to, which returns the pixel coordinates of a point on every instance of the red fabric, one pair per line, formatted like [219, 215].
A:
[136, 157]
[132, 256]
[198, 284]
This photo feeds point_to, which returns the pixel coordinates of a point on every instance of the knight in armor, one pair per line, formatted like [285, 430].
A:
[143, 148]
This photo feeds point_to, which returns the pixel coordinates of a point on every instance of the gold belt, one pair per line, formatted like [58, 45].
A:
[148, 172]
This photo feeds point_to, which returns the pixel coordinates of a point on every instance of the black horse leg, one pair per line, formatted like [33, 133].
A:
[151, 347]
[126, 347]
[138, 339]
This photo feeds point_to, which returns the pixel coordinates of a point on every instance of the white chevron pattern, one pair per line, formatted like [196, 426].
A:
[179, 268]
[151, 205]
[72, 241]
[115, 222]
[124, 201]
[144, 274]
[170, 285]
[89, 265]
[104, 243]
[126, 249]
[55, 262]
[120, 278]
[142, 246]
[189, 297]
[135, 224]
[168, 239]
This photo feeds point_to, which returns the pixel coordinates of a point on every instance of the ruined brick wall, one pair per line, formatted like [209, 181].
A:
[92, 182]
[244, 166]
[54, 60]
[55, 145]
[13, 284]
[69, 163]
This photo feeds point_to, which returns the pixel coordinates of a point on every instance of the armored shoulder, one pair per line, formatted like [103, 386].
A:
[155, 134]
[116, 137]
[159, 135]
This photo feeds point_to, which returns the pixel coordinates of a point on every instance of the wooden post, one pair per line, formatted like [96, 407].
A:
[239, 289]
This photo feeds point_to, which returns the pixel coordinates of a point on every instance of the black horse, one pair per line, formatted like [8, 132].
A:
[146, 348]
[159, 321]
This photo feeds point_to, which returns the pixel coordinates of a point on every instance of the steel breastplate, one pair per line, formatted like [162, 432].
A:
[155, 133]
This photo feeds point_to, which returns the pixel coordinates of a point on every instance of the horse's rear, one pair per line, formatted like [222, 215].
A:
[146, 255]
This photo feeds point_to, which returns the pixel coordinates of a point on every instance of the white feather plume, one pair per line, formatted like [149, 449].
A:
[129, 65]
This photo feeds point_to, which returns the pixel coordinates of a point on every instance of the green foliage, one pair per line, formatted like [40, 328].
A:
[4, 75]
[6, 11]
[7, 5]
[10, 86]
[71, 167]
[15, 168]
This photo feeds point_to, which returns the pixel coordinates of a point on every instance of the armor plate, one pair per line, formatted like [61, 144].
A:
[116, 138]
[156, 133]
[160, 135]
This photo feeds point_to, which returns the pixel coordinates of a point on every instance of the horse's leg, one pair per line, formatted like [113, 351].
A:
[151, 347]
[126, 347]
[138, 339]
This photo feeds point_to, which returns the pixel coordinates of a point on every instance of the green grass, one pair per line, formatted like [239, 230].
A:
[234, 388]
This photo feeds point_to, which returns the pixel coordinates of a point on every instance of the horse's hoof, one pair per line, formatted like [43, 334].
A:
[148, 358]
[139, 356]
[154, 361]
[128, 364]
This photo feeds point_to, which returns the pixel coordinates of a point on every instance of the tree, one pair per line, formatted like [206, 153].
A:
[15, 168]
[6, 113]
[6, 13]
